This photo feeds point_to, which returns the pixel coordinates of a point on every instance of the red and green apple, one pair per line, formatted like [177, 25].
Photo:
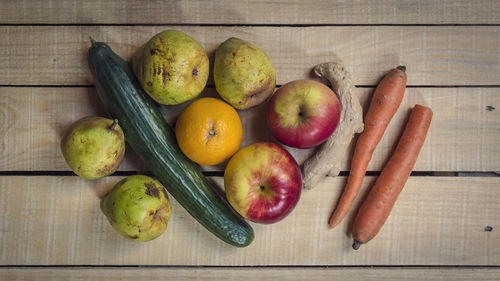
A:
[303, 113]
[263, 182]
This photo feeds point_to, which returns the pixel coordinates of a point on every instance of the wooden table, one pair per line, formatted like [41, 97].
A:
[51, 226]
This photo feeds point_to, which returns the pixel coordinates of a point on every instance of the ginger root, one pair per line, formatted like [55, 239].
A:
[327, 159]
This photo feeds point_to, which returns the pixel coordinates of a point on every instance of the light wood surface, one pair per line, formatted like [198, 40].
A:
[434, 55]
[376, 274]
[436, 221]
[463, 135]
[251, 12]
[51, 227]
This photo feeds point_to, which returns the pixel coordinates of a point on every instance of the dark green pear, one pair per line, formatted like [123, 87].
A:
[138, 208]
[93, 147]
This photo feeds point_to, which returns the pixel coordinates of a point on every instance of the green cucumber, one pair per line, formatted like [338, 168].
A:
[154, 141]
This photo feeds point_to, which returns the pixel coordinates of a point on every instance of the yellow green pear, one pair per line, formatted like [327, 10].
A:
[172, 67]
[93, 147]
[138, 208]
[244, 75]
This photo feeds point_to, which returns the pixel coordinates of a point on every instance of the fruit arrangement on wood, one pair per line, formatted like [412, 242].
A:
[262, 181]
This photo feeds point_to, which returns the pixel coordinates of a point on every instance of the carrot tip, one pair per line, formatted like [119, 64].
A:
[402, 68]
[356, 244]
[333, 223]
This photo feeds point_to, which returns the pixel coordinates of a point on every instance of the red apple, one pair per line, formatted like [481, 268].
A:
[303, 113]
[263, 182]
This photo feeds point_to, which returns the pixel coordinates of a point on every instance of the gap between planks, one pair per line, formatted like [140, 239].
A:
[221, 173]
[246, 25]
[364, 273]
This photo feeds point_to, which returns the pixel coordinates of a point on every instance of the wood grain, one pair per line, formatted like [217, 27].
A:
[251, 12]
[434, 55]
[436, 221]
[355, 274]
[464, 135]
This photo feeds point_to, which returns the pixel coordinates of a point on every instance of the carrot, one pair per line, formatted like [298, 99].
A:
[378, 204]
[385, 101]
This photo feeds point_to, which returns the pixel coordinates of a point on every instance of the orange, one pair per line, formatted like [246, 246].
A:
[209, 131]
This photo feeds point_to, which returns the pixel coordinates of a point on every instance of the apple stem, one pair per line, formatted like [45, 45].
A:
[402, 68]
[113, 126]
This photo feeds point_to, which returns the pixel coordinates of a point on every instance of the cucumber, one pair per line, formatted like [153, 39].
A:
[154, 141]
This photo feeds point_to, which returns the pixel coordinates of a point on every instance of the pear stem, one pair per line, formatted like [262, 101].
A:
[113, 126]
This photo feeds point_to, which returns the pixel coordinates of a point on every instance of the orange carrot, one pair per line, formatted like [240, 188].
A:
[384, 103]
[378, 204]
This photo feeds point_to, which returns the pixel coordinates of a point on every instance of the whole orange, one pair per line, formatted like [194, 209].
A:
[209, 131]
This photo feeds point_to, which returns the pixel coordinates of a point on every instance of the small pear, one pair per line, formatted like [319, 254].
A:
[172, 67]
[93, 147]
[138, 208]
[244, 76]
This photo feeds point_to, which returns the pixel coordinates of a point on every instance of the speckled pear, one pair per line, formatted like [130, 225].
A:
[244, 75]
[93, 147]
[172, 67]
[138, 208]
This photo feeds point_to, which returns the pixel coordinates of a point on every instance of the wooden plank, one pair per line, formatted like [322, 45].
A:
[436, 221]
[251, 12]
[389, 274]
[463, 136]
[434, 55]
